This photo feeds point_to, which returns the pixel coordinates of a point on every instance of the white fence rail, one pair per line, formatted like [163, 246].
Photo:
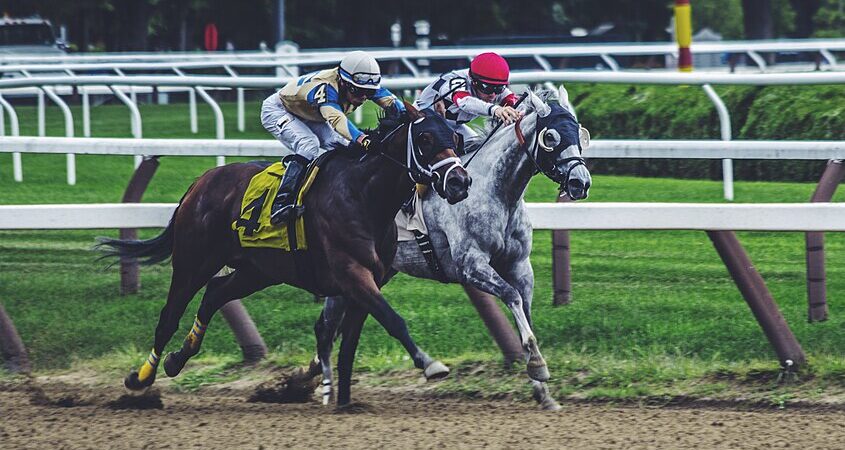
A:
[606, 51]
[517, 77]
[599, 148]
[550, 216]
[198, 84]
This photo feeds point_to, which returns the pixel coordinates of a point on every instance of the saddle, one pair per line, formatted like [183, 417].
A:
[253, 225]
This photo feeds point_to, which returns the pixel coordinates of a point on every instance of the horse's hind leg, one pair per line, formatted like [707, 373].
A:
[326, 331]
[220, 290]
[184, 284]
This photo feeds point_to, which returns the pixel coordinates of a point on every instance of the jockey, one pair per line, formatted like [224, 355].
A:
[310, 113]
[480, 90]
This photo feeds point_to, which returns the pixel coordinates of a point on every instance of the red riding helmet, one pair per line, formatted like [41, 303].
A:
[490, 68]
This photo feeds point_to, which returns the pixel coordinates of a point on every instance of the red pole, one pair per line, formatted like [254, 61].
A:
[759, 299]
[816, 289]
[130, 280]
[11, 346]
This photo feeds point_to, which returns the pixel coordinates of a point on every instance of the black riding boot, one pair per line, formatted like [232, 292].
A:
[284, 205]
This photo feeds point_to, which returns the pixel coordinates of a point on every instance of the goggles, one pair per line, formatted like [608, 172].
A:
[363, 78]
[487, 88]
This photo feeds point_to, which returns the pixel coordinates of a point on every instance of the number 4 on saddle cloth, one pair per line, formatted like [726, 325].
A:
[254, 227]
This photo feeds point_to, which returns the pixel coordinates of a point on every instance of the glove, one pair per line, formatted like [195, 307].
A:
[364, 141]
[506, 114]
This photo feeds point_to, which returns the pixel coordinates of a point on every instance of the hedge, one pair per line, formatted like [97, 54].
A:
[685, 112]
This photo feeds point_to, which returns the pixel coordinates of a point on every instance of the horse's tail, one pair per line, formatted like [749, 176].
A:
[146, 252]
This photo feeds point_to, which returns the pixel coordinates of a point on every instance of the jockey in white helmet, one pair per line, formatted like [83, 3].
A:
[481, 90]
[309, 113]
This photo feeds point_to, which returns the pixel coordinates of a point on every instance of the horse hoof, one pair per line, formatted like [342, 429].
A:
[173, 364]
[538, 372]
[132, 382]
[550, 404]
[435, 371]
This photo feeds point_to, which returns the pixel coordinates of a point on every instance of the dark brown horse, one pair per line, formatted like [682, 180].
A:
[349, 213]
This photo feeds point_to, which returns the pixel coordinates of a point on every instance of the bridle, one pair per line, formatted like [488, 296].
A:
[420, 174]
[533, 154]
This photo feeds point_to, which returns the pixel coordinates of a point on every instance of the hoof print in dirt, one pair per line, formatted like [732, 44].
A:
[296, 388]
[67, 401]
[355, 408]
[150, 400]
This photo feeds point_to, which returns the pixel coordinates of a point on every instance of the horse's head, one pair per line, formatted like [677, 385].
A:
[559, 140]
[431, 155]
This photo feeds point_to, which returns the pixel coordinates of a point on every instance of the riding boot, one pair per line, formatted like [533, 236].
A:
[284, 205]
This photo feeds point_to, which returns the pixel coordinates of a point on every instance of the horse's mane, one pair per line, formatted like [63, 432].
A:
[388, 122]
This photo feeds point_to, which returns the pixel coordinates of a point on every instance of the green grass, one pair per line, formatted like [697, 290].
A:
[654, 313]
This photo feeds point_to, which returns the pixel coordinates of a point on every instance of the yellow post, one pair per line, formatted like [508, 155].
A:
[683, 33]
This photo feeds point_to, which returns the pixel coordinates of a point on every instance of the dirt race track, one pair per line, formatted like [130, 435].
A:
[70, 417]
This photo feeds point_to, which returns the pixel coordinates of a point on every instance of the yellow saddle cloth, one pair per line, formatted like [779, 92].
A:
[254, 227]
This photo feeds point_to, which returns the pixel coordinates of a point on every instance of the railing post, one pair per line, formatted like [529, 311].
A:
[11, 346]
[561, 267]
[247, 335]
[816, 288]
[725, 131]
[68, 116]
[497, 324]
[759, 299]
[17, 167]
[130, 281]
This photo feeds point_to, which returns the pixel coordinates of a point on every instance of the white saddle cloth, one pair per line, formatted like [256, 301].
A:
[407, 223]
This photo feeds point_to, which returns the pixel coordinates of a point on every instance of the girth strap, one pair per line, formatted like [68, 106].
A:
[430, 258]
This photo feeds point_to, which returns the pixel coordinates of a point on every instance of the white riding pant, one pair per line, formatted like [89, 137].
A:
[471, 138]
[303, 137]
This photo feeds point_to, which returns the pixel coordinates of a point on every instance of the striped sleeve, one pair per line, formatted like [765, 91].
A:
[387, 100]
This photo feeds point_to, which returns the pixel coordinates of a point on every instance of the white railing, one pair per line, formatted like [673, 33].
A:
[548, 216]
[267, 148]
[198, 84]
[606, 51]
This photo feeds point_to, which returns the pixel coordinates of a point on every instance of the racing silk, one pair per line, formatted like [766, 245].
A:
[315, 97]
[460, 99]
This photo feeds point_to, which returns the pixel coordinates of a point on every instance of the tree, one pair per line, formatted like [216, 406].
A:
[722, 16]
[829, 20]
[757, 19]
[805, 10]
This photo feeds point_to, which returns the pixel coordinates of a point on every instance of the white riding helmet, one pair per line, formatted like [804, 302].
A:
[360, 70]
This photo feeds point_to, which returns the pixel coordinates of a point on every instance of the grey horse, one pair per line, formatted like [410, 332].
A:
[491, 221]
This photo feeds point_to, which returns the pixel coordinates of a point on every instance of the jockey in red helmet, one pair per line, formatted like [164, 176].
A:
[480, 90]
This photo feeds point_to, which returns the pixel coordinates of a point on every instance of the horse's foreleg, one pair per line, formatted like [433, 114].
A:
[521, 277]
[326, 331]
[353, 321]
[364, 292]
[218, 292]
[479, 274]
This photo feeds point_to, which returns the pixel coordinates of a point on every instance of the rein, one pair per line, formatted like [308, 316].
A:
[478, 150]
